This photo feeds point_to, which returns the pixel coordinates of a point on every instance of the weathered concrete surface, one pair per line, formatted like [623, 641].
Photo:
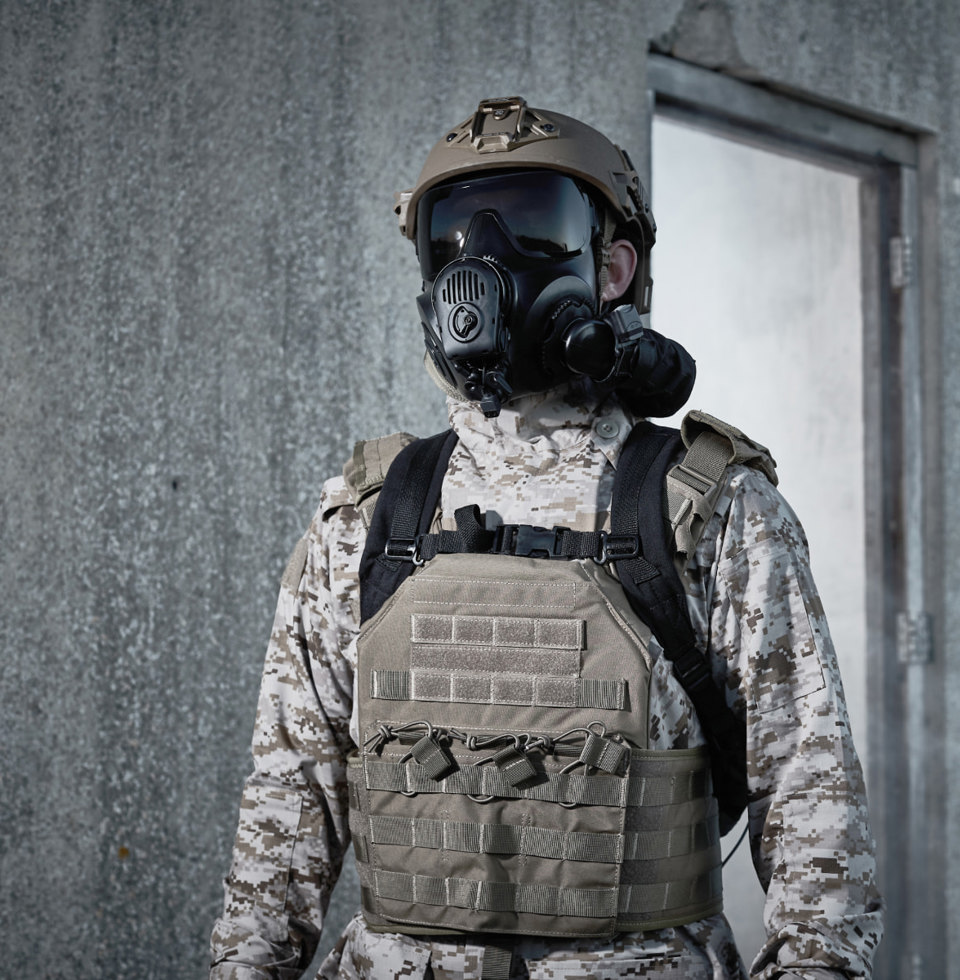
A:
[203, 302]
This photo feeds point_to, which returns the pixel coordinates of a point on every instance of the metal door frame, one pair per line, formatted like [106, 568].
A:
[904, 755]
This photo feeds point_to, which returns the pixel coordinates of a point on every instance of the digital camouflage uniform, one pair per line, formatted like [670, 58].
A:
[756, 611]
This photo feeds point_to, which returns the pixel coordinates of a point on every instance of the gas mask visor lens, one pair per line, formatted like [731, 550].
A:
[544, 215]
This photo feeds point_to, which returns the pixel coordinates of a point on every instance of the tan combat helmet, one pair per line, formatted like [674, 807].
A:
[507, 134]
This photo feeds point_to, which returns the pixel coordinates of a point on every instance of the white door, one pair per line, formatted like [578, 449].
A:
[757, 272]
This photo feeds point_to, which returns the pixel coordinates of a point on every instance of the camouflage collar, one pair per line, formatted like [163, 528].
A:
[543, 426]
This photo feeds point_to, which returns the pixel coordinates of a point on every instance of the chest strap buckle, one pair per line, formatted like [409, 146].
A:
[616, 547]
[526, 541]
[404, 549]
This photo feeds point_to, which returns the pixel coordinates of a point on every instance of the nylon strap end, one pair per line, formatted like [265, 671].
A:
[435, 759]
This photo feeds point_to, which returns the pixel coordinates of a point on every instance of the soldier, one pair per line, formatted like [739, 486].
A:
[485, 669]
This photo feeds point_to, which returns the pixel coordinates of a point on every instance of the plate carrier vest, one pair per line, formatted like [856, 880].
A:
[504, 783]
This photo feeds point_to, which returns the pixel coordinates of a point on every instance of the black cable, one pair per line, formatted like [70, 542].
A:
[735, 846]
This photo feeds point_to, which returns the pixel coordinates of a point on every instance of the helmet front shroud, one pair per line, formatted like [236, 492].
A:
[513, 309]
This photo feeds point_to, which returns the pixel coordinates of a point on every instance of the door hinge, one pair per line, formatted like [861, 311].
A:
[901, 262]
[914, 638]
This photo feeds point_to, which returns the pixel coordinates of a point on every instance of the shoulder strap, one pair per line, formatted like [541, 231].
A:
[407, 501]
[366, 469]
[656, 594]
[695, 483]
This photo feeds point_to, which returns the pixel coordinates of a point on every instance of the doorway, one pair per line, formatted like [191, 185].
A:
[757, 272]
[783, 264]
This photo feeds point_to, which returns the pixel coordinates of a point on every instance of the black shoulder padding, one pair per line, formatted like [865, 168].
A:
[405, 509]
[657, 596]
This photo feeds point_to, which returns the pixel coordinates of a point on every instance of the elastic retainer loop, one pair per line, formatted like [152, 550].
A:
[515, 767]
[604, 754]
[435, 759]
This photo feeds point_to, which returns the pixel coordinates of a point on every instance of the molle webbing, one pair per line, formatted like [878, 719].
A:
[663, 869]
[574, 692]
[630, 906]
[504, 785]
[529, 841]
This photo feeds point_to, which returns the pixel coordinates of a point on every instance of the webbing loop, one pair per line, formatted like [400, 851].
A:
[497, 961]
[529, 840]
[651, 901]
[517, 540]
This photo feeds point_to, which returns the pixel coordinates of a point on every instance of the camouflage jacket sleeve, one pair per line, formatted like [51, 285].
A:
[293, 827]
[761, 618]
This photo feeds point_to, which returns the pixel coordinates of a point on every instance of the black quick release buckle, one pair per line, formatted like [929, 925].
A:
[519, 540]
[404, 549]
[616, 547]
[526, 541]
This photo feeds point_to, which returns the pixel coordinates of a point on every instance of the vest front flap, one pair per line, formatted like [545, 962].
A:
[500, 644]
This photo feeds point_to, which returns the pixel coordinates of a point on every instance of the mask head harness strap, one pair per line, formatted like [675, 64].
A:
[602, 249]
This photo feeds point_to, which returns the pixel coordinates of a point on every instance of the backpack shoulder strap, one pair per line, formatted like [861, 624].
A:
[407, 498]
[656, 594]
[694, 484]
[366, 469]
[650, 579]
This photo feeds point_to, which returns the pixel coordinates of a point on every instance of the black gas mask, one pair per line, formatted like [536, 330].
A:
[510, 302]
[510, 305]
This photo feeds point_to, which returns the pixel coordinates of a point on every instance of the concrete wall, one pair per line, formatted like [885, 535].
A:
[203, 302]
